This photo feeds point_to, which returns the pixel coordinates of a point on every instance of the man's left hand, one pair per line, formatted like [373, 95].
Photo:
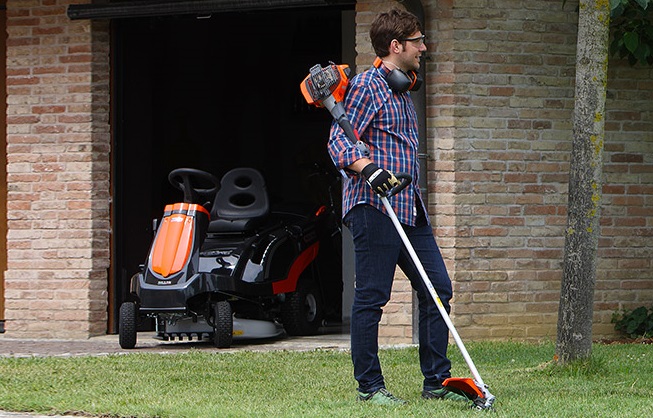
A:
[381, 181]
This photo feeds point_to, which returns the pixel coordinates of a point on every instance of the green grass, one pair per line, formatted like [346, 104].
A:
[617, 382]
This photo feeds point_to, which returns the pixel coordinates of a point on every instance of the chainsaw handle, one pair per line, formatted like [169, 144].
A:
[404, 180]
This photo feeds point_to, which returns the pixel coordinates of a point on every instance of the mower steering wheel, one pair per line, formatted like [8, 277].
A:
[192, 182]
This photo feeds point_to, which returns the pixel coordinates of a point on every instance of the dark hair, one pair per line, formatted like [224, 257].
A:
[394, 24]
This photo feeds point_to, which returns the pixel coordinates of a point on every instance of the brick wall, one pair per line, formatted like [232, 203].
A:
[500, 99]
[503, 102]
[58, 172]
[500, 112]
[625, 275]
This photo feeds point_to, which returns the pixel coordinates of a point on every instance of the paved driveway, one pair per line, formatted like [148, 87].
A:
[108, 344]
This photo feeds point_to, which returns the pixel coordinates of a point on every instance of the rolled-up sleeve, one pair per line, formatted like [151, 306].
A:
[360, 110]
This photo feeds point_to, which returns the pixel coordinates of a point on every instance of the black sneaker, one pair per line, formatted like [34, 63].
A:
[381, 397]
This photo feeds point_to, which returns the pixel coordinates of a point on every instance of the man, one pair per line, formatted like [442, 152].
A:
[382, 111]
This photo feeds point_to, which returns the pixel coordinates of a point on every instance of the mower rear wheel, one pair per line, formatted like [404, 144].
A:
[223, 325]
[127, 325]
[302, 312]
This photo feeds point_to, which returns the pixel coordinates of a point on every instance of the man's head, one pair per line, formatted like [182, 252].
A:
[397, 37]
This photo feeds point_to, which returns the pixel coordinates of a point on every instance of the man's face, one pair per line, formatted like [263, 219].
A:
[413, 47]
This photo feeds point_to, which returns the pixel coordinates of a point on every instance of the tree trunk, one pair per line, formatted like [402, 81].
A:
[582, 234]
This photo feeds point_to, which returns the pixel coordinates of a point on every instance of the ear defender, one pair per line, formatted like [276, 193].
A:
[400, 81]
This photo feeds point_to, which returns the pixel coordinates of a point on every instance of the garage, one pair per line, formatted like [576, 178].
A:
[213, 91]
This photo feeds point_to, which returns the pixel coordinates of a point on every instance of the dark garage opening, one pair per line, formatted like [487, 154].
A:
[213, 93]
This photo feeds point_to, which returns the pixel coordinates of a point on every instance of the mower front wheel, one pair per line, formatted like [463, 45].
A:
[127, 325]
[302, 311]
[223, 325]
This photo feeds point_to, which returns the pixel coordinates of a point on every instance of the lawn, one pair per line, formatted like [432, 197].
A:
[617, 382]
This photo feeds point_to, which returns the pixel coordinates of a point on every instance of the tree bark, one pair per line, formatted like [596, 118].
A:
[574, 340]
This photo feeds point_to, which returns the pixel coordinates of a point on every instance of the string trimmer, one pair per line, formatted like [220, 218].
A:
[326, 87]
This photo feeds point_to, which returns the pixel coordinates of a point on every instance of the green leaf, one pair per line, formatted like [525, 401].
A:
[631, 40]
[642, 53]
[642, 3]
[639, 322]
[616, 11]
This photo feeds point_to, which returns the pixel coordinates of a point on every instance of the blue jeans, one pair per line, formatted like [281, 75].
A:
[378, 250]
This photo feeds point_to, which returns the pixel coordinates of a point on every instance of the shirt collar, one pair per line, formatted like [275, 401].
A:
[383, 69]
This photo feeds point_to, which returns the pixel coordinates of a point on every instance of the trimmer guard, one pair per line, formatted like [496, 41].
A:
[467, 387]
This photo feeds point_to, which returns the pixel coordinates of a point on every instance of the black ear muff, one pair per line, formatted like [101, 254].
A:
[416, 80]
[399, 81]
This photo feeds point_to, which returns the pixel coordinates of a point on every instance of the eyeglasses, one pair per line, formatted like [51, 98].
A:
[418, 39]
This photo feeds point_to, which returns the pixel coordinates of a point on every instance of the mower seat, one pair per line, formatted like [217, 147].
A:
[241, 204]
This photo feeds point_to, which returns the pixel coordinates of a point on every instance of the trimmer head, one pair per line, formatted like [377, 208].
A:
[467, 387]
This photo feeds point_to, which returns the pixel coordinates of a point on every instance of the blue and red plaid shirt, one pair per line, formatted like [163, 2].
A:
[387, 122]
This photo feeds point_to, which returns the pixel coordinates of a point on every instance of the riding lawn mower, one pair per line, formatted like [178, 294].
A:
[226, 263]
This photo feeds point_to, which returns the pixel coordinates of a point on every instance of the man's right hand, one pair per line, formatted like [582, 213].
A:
[381, 181]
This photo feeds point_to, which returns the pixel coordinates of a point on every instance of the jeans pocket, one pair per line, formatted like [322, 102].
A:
[348, 219]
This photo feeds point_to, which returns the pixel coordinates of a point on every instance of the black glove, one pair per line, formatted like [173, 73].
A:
[381, 181]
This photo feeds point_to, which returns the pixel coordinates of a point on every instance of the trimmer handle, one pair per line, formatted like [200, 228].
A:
[404, 181]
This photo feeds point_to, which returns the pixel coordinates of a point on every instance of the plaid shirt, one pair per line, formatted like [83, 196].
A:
[387, 123]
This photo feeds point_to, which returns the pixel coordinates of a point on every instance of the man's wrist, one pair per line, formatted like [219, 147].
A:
[370, 170]
[358, 165]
